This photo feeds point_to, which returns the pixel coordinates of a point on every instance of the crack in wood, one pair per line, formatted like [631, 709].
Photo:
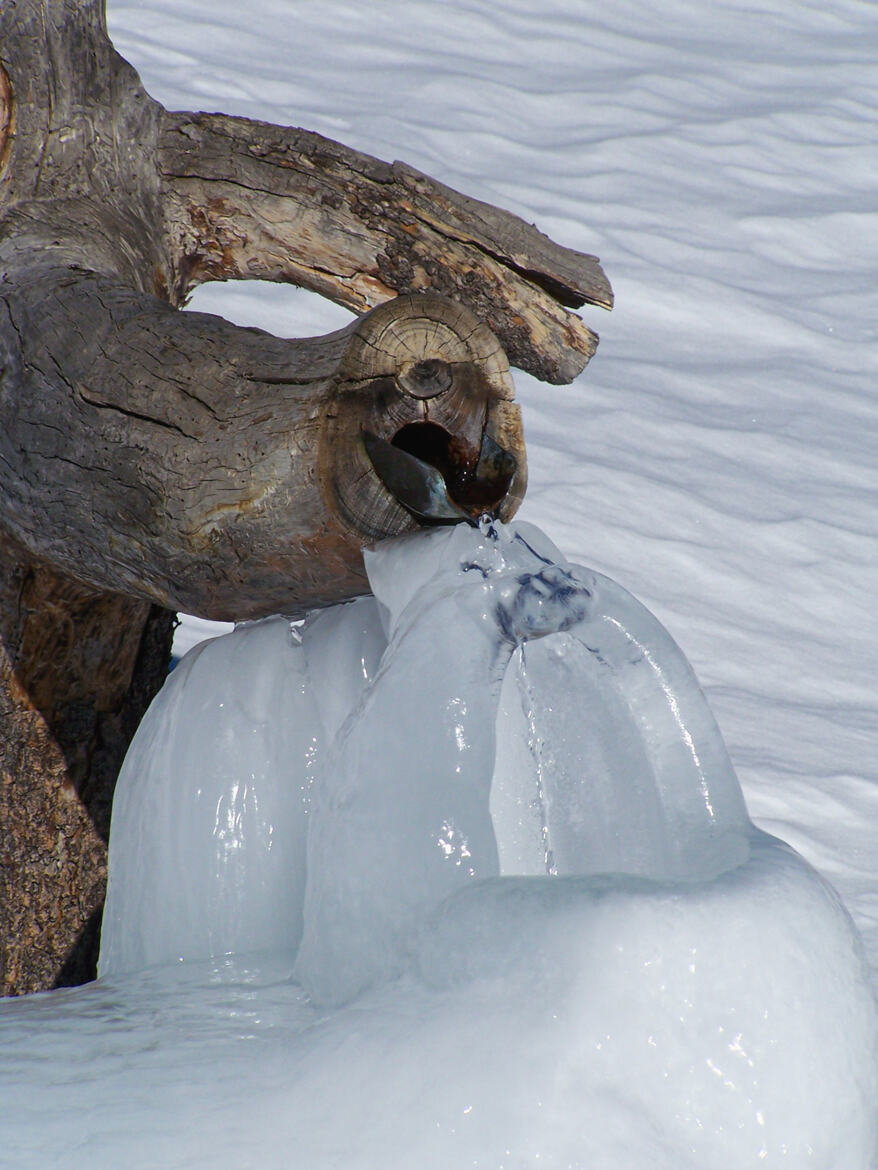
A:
[127, 412]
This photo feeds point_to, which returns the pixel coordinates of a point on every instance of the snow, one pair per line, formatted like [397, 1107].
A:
[719, 458]
[228, 1065]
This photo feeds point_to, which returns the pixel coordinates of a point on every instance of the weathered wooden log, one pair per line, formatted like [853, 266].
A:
[245, 199]
[151, 459]
[256, 499]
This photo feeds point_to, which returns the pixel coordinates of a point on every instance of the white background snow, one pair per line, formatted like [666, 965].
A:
[719, 457]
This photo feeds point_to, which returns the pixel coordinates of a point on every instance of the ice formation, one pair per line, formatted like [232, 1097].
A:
[527, 918]
[211, 805]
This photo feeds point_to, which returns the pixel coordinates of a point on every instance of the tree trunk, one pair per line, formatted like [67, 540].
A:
[152, 460]
[77, 671]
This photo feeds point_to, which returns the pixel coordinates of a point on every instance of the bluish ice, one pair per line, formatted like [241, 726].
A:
[459, 874]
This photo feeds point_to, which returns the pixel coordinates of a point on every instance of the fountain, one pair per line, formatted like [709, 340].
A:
[458, 874]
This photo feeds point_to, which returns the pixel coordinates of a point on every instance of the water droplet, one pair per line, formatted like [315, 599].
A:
[486, 525]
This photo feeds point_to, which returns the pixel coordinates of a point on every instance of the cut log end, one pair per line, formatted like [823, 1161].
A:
[286, 494]
[423, 375]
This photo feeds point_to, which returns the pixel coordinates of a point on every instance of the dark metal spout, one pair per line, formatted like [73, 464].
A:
[418, 486]
[424, 489]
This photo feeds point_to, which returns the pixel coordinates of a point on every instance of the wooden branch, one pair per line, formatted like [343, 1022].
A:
[245, 199]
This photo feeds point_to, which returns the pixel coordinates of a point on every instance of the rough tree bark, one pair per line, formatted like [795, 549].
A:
[151, 460]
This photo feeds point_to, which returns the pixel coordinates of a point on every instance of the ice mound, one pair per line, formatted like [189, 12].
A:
[726, 1023]
[533, 921]
[207, 855]
[402, 817]
[208, 850]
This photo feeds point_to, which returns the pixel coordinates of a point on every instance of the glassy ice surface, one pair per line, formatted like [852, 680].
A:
[720, 456]
[207, 855]
[210, 807]
[402, 817]
[625, 770]
[460, 875]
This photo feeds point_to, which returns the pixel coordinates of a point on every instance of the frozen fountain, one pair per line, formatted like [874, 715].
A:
[460, 874]
[274, 735]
